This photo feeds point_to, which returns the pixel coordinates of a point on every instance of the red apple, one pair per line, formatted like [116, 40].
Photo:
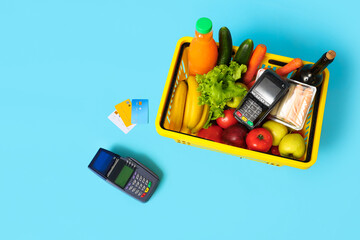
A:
[299, 132]
[235, 135]
[275, 150]
[211, 133]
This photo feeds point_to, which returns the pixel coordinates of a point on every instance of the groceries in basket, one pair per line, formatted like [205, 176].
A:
[224, 99]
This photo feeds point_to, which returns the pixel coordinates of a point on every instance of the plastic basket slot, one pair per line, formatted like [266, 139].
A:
[277, 63]
[182, 142]
[273, 164]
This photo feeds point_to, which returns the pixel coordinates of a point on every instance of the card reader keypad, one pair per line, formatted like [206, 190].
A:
[138, 185]
[249, 111]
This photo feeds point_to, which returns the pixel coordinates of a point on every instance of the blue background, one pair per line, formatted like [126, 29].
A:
[64, 65]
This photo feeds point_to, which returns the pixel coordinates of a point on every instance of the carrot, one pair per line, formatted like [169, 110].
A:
[289, 67]
[250, 84]
[255, 60]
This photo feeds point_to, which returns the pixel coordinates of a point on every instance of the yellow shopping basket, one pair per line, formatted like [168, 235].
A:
[312, 128]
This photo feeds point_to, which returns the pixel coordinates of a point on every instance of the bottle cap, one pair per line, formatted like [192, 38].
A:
[203, 25]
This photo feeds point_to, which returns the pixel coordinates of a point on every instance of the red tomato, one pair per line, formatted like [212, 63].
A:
[259, 139]
[213, 133]
[228, 120]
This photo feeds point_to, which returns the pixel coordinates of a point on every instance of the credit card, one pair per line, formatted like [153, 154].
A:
[124, 110]
[116, 119]
[140, 111]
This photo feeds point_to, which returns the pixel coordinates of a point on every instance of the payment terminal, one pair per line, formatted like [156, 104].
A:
[260, 99]
[125, 173]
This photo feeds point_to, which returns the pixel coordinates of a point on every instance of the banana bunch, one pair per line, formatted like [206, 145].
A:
[178, 106]
[187, 116]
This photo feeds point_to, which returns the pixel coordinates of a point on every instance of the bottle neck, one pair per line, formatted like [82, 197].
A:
[320, 65]
[208, 36]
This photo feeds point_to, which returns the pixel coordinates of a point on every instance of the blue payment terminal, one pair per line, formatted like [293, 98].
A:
[125, 173]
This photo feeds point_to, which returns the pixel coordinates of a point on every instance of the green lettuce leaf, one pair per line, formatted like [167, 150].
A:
[218, 86]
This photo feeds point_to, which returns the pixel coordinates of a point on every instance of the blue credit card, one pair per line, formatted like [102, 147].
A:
[140, 111]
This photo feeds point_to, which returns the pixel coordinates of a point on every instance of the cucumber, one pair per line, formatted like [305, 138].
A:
[225, 46]
[244, 52]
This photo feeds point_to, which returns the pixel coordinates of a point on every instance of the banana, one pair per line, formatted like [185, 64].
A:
[185, 130]
[178, 106]
[193, 111]
[187, 114]
[203, 119]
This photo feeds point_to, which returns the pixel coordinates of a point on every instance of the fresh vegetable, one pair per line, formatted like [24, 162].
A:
[243, 85]
[228, 120]
[193, 111]
[218, 86]
[235, 101]
[225, 46]
[255, 60]
[289, 67]
[250, 84]
[235, 135]
[277, 130]
[259, 139]
[203, 119]
[244, 51]
[178, 106]
[292, 146]
[213, 133]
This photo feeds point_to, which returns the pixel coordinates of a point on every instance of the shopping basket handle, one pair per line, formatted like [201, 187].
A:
[276, 62]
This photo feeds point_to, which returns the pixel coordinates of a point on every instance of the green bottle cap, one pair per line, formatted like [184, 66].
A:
[203, 25]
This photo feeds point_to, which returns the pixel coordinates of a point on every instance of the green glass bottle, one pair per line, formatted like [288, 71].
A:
[312, 73]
